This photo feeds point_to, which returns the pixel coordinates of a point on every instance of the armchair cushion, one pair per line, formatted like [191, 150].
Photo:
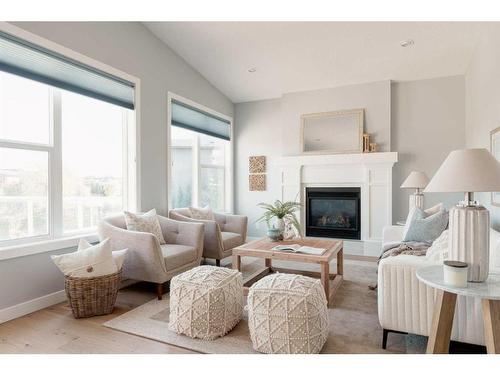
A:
[205, 213]
[178, 255]
[231, 240]
[147, 223]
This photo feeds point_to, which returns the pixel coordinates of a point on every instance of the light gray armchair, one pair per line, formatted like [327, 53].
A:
[146, 259]
[221, 235]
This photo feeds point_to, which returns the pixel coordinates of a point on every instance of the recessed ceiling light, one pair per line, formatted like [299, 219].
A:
[407, 43]
[252, 70]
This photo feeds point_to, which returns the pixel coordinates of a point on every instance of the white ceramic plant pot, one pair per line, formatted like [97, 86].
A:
[280, 224]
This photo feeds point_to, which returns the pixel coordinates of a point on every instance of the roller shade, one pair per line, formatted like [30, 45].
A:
[190, 118]
[30, 61]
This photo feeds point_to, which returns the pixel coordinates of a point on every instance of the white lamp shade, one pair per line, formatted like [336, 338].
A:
[416, 180]
[468, 170]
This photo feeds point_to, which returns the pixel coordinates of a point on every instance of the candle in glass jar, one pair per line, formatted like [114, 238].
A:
[455, 273]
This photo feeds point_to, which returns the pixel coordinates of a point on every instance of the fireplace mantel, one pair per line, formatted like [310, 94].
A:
[372, 172]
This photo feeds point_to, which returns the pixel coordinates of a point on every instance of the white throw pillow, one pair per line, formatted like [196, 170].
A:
[118, 255]
[439, 249]
[95, 261]
[205, 213]
[147, 223]
[434, 209]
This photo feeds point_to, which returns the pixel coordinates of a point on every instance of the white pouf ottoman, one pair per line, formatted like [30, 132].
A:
[287, 314]
[206, 302]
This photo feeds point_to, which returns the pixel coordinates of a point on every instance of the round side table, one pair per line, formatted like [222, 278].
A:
[444, 309]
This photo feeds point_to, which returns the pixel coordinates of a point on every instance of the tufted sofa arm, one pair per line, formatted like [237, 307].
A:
[392, 233]
[144, 260]
[183, 233]
[232, 223]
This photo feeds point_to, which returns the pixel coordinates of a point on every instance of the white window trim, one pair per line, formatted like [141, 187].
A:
[35, 245]
[229, 160]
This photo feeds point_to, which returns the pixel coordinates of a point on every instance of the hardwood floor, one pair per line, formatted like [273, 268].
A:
[54, 330]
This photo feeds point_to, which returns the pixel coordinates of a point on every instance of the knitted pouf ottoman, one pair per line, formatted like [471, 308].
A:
[206, 302]
[287, 314]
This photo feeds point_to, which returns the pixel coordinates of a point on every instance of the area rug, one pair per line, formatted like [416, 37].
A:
[354, 326]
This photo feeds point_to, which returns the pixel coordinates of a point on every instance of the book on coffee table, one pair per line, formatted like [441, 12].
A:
[295, 248]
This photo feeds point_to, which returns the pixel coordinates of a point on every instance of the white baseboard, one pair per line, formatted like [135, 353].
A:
[28, 307]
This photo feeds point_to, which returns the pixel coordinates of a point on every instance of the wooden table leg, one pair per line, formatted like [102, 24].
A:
[491, 317]
[325, 279]
[442, 323]
[340, 262]
[269, 263]
[236, 262]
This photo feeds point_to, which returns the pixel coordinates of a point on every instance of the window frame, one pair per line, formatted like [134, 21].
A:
[56, 239]
[197, 166]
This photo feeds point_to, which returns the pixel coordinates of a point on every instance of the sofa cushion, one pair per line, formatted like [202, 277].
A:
[416, 212]
[177, 255]
[426, 229]
[231, 240]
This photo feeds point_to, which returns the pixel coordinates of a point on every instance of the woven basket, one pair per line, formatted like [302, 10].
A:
[92, 296]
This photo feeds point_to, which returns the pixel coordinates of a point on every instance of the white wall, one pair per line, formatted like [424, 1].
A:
[482, 98]
[130, 47]
[271, 128]
[428, 121]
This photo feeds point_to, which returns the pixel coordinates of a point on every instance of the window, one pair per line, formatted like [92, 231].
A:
[200, 161]
[64, 161]
[93, 173]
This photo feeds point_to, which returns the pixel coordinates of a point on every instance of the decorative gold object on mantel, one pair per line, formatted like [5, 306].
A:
[367, 145]
[366, 142]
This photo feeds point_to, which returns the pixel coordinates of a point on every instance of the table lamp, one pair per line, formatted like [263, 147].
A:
[416, 180]
[469, 171]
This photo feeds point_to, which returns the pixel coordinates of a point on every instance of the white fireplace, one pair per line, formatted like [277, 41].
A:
[371, 172]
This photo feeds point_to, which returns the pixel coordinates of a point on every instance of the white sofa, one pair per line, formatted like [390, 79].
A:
[405, 305]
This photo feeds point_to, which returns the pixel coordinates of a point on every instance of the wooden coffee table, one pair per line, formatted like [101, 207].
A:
[261, 248]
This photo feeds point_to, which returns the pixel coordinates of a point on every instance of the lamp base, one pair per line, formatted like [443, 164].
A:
[469, 239]
[416, 200]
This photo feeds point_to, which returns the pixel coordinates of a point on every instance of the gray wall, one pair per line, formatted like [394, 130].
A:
[258, 132]
[428, 121]
[374, 97]
[271, 128]
[482, 97]
[130, 47]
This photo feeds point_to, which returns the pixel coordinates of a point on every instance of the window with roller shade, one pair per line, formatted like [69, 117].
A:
[200, 156]
[65, 144]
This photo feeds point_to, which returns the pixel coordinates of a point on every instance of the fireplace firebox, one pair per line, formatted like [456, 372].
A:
[333, 212]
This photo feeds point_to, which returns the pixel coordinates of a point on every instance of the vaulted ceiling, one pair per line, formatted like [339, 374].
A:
[297, 56]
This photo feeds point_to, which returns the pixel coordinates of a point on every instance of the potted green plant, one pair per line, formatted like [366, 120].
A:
[280, 211]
